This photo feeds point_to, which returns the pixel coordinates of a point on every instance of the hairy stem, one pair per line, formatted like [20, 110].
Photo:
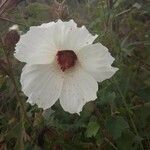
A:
[12, 77]
[109, 142]
[128, 111]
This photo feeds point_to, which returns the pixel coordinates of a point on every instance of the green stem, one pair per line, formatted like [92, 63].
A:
[109, 142]
[12, 77]
[128, 111]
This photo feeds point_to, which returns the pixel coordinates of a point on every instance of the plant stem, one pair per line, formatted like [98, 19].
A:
[108, 141]
[128, 110]
[12, 21]
[12, 77]
[140, 105]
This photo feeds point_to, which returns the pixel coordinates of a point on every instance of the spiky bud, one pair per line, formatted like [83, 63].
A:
[59, 10]
[11, 37]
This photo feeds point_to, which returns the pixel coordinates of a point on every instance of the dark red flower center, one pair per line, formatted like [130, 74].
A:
[66, 59]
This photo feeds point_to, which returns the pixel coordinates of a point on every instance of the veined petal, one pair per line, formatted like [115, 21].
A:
[79, 38]
[41, 43]
[42, 84]
[47, 25]
[97, 60]
[70, 37]
[60, 31]
[37, 46]
[79, 87]
[104, 73]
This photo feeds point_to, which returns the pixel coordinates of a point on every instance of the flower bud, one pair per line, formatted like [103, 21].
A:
[59, 10]
[11, 38]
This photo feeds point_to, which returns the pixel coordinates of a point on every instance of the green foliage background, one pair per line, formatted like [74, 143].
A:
[119, 119]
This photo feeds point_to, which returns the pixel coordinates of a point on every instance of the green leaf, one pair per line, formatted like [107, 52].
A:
[108, 98]
[144, 93]
[128, 141]
[116, 125]
[18, 132]
[92, 129]
[37, 13]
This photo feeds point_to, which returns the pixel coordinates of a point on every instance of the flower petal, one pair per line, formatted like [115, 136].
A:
[60, 31]
[78, 88]
[42, 84]
[70, 37]
[79, 38]
[37, 46]
[97, 60]
[41, 43]
[47, 25]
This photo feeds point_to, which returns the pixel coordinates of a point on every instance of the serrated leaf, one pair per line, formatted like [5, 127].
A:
[37, 13]
[108, 98]
[92, 129]
[144, 93]
[17, 132]
[126, 141]
[116, 125]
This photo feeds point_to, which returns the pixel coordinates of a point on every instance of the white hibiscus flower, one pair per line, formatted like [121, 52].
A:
[62, 63]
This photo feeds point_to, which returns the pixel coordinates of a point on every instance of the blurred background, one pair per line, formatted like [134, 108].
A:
[119, 119]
